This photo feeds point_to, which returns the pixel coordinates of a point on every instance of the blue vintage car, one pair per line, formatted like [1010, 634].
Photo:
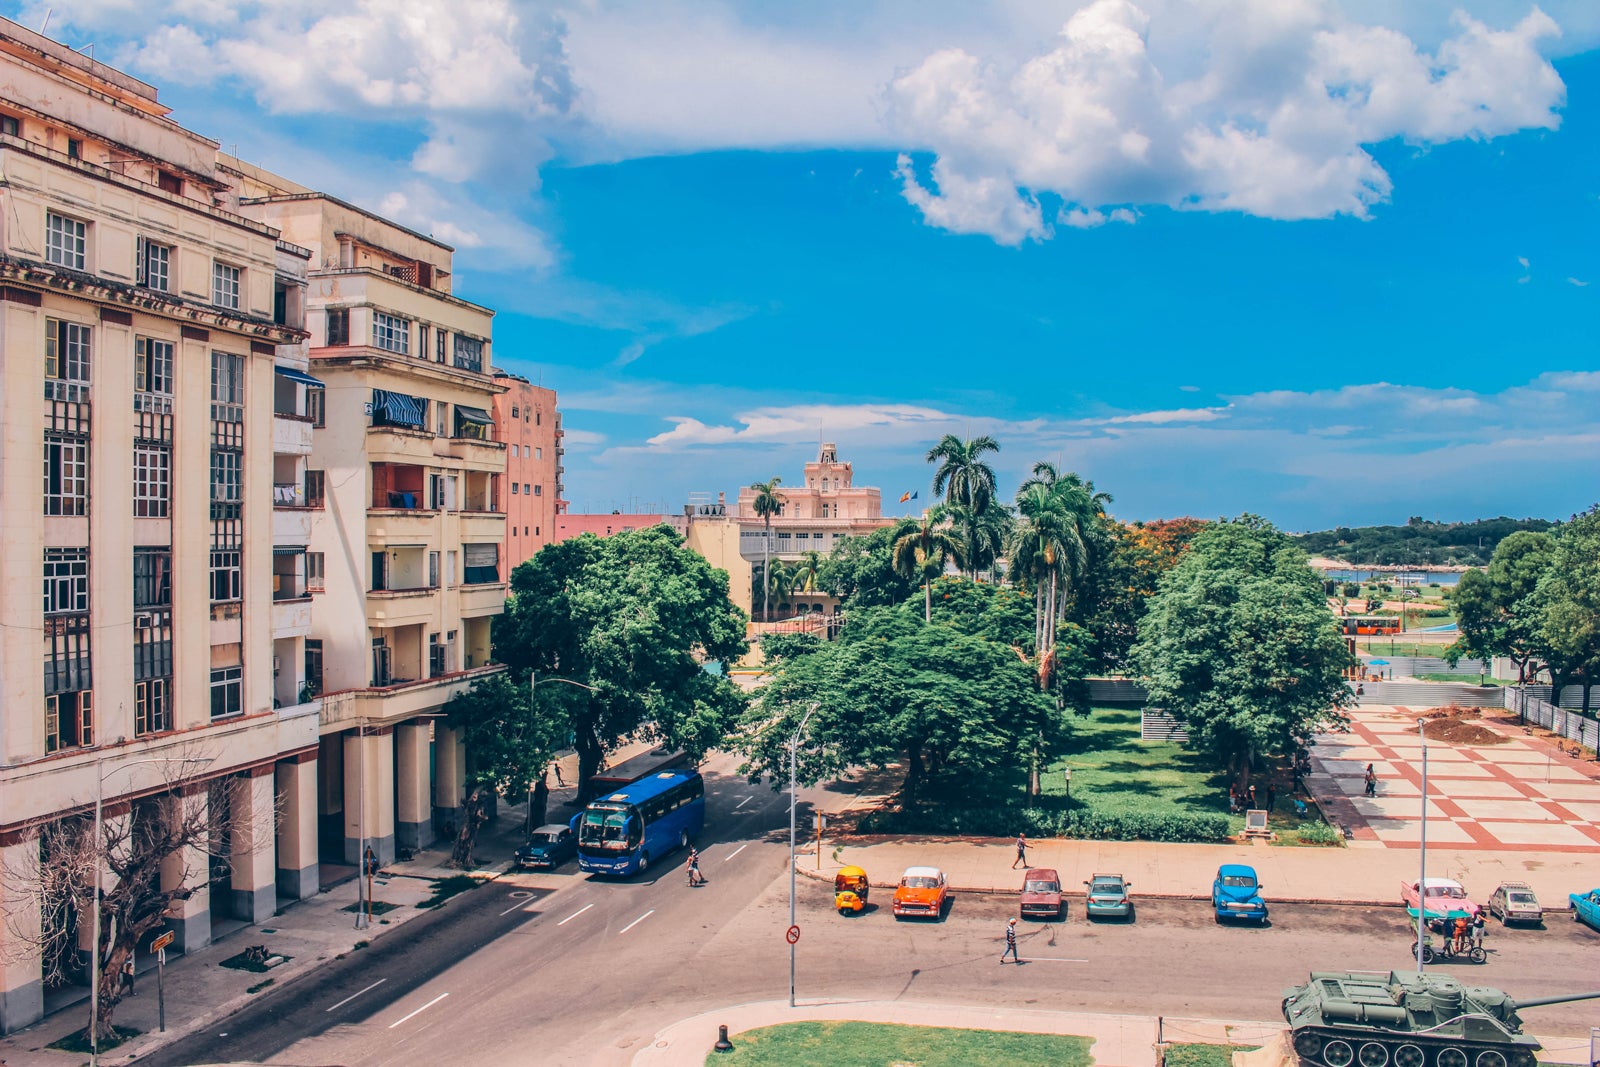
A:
[1235, 894]
[1586, 907]
[548, 846]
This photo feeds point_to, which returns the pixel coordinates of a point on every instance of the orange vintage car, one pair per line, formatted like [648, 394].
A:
[921, 894]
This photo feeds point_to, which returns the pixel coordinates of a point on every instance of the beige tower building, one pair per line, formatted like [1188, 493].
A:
[405, 513]
[141, 322]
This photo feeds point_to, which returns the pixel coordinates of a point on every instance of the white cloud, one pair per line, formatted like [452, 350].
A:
[802, 422]
[1155, 418]
[1581, 284]
[1277, 125]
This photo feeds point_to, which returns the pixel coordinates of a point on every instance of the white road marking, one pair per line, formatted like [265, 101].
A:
[743, 802]
[574, 915]
[524, 903]
[735, 852]
[354, 995]
[1051, 959]
[637, 921]
[420, 1010]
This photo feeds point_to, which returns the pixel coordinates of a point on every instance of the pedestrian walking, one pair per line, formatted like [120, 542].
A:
[1022, 853]
[1011, 942]
[1372, 781]
[561, 782]
[127, 976]
[1251, 793]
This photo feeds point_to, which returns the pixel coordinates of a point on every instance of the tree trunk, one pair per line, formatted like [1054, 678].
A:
[766, 574]
[927, 602]
[908, 789]
[541, 802]
[472, 817]
[590, 752]
[113, 959]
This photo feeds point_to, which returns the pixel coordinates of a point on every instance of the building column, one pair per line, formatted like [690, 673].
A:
[449, 772]
[250, 847]
[296, 780]
[369, 794]
[190, 919]
[21, 969]
[415, 824]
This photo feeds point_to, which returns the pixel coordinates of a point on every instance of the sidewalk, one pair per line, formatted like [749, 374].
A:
[199, 991]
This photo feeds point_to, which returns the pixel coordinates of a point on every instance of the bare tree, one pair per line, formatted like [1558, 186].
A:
[153, 852]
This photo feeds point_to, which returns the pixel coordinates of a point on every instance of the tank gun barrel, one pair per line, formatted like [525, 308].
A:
[1539, 1002]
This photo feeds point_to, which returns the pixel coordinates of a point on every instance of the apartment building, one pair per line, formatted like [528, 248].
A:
[815, 514]
[403, 502]
[531, 427]
[145, 334]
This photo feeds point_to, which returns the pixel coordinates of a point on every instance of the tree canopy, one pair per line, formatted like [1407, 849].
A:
[1238, 643]
[632, 618]
[1419, 542]
[1495, 608]
[860, 570]
[1567, 604]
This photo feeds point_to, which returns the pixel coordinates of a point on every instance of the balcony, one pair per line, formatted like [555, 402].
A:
[291, 616]
[399, 444]
[482, 526]
[479, 600]
[475, 452]
[396, 702]
[401, 607]
[291, 434]
[292, 526]
[412, 526]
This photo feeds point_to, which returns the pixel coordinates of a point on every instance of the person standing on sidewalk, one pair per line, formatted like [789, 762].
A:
[1022, 852]
[1477, 929]
[1372, 781]
[1011, 942]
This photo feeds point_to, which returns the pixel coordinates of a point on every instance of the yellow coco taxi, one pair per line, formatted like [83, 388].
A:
[850, 890]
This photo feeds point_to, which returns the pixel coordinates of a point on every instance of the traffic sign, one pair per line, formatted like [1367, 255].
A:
[793, 935]
[162, 942]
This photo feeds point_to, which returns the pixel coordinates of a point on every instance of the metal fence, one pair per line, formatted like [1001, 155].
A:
[1558, 720]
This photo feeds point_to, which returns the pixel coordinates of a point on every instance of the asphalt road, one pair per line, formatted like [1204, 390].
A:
[585, 971]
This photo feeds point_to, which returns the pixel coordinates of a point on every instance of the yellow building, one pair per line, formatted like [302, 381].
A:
[139, 328]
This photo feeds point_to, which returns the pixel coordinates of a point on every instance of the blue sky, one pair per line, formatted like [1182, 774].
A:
[1326, 262]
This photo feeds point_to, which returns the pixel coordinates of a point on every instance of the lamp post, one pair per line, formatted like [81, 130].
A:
[1422, 875]
[94, 947]
[533, 687]
[794, 745]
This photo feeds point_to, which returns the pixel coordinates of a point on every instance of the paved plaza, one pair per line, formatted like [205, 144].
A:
[1522, 794]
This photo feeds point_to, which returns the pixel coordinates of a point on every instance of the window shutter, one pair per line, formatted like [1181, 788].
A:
[52, 723]
[141, 274]
[85, 718]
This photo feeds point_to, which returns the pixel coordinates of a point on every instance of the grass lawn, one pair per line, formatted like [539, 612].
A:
[1400, 646]
[853, 1044]
[1112, 769]
[1204, 1055]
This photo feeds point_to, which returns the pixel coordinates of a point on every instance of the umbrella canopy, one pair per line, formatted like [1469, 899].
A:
[1378, 662]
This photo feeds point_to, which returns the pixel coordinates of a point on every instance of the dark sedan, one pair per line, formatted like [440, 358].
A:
[549, 847]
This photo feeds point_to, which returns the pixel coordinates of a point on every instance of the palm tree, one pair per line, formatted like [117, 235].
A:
[1054, 546]
[986, 534]
[767, 503]
[804, 571]
[923, 551]
[965, 480]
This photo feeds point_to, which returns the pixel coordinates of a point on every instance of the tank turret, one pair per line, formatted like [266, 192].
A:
[1378, 1019]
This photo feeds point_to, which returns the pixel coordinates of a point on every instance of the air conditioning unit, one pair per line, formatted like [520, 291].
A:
[143, 619]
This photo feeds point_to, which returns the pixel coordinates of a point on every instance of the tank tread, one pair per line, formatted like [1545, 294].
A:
[1321, 1046]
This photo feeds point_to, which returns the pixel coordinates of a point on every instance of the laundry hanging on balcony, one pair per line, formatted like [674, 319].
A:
[398, 409]
[473, 422]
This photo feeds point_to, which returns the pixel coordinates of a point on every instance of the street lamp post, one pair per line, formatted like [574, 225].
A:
[794, 745]
[94, 947]
[1422, 875]
[533, 688]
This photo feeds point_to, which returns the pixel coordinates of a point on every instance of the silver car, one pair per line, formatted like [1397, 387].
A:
[1514, 902]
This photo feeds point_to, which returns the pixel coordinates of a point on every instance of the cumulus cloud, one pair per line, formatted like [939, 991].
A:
[1277, 125]
[801, 422]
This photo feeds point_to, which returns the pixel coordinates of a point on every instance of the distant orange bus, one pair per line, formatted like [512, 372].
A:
[1371, 624]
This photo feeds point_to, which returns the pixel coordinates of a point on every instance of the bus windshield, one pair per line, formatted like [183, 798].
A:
[604, 825]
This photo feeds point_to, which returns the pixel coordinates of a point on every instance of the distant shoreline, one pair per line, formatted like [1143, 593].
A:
[1323, 563]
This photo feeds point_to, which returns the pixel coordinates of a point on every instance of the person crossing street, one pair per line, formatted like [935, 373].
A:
[1011, 942]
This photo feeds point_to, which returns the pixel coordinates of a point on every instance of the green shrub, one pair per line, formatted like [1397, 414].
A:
[1319, 833]
[1085, 823]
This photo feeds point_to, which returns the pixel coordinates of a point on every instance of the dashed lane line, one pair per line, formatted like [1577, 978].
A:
[743, 802]
[419, 1011]
[356, 994]
[735, 852]
[636, 922]
[574, 915]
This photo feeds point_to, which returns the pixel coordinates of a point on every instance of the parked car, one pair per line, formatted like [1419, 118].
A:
[1445, 897]
[1041, 895]
[1235, 894]
[1586, 907]
[549, 846]
[921, 894]
[1514, 902]
[1108, 896]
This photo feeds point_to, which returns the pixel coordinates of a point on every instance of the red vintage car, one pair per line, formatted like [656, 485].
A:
[1041, 894]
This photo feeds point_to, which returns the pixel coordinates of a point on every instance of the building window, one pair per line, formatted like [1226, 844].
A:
[338, 327]
[225, 285]
[152, 366]
[317, 406]
[169, 183]
[68, 352]
[380, 662]
[469, 353]
[227, 387]
[227, 694]
[514, 488]
[315, 574]
[422, 340]
[538, 453]
[439, 346]
[391, 333]
[314, 488]
[538, 490]
[66, 474]
[516, 412]
[482, 563]
[152, 578]
[74, 148]
[227, 475]
[66, 581]
[226, 585]
[66, 241]
[313, 666]
[10, 126]
[68, 721]
[152, 706]
[433, 570]
[152, 480]
[436, 665]
[153, 265]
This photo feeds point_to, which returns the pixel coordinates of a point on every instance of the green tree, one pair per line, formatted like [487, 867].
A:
[804, 571]
[1123, 579]
[952, 708]
[1058, 538]
[632, 617]
[1494, 607]
[1238, 643]
[923, 552]
[967, 483]
[860, 570]
[1568, 599]
[767, 503]
[510, 740]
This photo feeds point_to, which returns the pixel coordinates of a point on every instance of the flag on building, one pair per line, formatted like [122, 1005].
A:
[907, 495]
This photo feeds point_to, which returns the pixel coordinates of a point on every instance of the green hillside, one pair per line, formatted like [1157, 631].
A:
[1418, 542]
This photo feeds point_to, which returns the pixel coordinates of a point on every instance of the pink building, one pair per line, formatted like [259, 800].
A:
[526, 418]
[569, 526]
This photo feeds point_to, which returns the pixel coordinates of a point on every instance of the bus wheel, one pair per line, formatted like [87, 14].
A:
[644, 862]
[683, 839]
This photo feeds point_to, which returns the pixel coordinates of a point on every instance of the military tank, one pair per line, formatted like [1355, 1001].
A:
[1373, 1019]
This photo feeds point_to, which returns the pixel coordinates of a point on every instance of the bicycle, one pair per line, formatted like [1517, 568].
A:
[1449, 951]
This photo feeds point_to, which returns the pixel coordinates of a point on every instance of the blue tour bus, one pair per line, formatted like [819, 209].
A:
[628, 829]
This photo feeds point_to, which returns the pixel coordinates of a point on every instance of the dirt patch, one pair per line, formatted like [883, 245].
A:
[1458, 732]
[1453, 711]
